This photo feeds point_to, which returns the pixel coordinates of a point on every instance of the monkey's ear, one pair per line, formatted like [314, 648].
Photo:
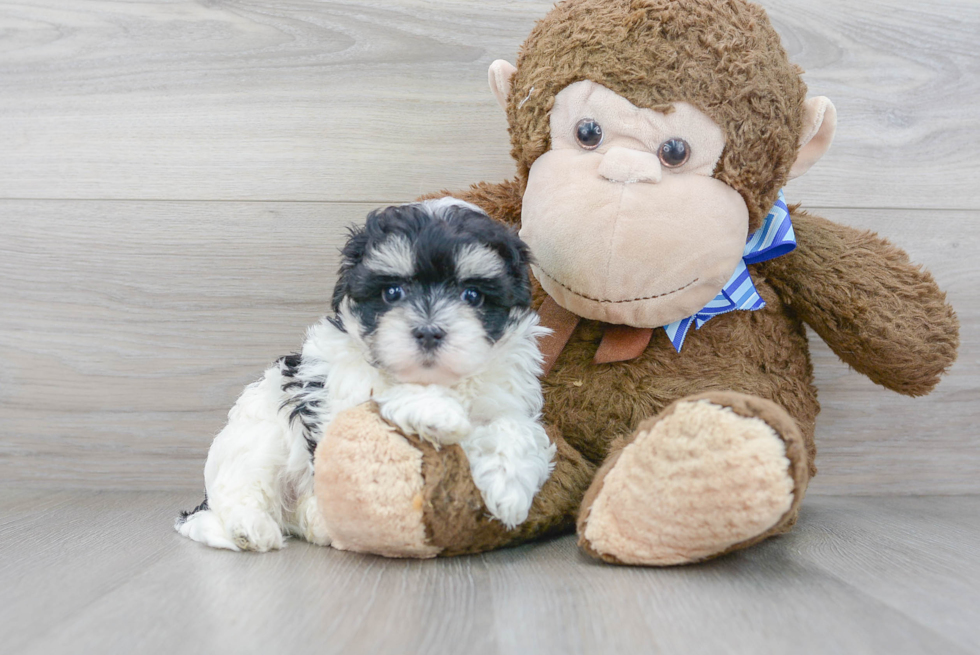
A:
[819, 125]
[500, 75]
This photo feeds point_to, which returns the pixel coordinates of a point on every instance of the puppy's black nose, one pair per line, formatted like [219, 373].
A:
[428, 336]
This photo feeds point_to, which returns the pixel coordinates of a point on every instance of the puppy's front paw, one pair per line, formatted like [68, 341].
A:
[510, 460]
[430, 412]
[510, 505]
[443, 426]
[251, 529]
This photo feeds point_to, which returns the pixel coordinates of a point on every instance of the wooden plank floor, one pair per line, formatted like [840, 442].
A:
[95, 572]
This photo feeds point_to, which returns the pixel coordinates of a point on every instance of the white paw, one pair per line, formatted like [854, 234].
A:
[433, 413]
[443, 427]
[251, 529]
[510, 460]
[510, 506]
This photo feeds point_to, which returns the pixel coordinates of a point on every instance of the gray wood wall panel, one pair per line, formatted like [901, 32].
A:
[127, 327]
[379, 101]
[127, 330]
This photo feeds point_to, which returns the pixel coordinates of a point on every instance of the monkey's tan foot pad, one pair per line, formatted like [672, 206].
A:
[369, 486]
[711, 474]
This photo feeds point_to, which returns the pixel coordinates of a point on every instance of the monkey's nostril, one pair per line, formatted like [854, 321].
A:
[429, 336]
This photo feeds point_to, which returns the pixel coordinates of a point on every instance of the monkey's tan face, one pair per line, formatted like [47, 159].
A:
[622, 215]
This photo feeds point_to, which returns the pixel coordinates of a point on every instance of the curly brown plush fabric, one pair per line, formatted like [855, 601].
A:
[722, 57]
[880, 313]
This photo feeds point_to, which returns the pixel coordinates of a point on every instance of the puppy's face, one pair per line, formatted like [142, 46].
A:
[429, 288]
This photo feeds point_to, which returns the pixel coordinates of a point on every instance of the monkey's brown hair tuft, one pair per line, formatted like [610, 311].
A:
[723, 57]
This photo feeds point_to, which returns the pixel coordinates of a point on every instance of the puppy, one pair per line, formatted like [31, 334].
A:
[432, 321]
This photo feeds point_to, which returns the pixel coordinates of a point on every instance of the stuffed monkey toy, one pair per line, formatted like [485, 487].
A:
[652, 140]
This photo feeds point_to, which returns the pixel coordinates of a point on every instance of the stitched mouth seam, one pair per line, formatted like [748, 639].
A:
[614, 302]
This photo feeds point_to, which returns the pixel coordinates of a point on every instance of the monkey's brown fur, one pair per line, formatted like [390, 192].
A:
[880, 313]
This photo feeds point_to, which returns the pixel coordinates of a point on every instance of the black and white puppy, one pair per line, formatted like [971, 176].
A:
[432, 321]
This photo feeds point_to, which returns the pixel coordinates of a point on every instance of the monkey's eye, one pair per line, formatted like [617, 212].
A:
[472, 297]
[588, 133]
[674, 153]
[393, 294]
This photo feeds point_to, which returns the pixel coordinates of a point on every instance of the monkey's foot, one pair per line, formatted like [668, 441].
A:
[384, 493]
[369, 487]
[711, 474]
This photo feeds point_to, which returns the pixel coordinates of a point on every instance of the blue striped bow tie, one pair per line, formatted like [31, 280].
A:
[774, 239]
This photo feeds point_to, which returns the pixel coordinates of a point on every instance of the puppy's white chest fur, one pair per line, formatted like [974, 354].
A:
[507, 384]
[493, 415]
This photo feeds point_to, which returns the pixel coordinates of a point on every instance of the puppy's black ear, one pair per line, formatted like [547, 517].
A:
[517, 257]
[350, 256]
[406, 220]
[519, 260]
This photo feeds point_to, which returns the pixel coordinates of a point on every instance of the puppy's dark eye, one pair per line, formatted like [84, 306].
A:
[472, 297]
[393, 294]
[674, 153]
[588, 133]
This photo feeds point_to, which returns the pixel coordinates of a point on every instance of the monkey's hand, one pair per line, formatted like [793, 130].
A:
[434, 413]
[884, 316]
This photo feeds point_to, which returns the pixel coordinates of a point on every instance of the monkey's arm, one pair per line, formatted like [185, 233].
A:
[501, 201]
[881, 314]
